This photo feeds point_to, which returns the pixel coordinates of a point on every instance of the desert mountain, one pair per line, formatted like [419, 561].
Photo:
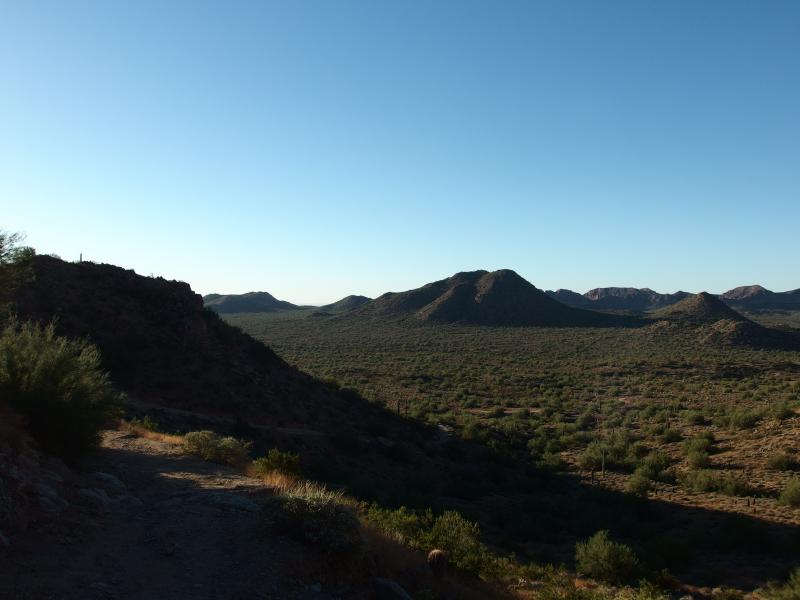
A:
[346, 304]
[499, 298]
[755, 297]
[702, 308]
[251, 302]
[617, 298]
[720, 324]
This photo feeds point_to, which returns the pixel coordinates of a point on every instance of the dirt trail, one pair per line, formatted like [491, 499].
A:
[145, 522]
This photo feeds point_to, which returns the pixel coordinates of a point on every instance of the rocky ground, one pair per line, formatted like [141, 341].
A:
[144, 521]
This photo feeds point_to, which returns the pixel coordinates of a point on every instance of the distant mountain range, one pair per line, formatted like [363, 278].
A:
[617, 298]
[746, 298]
[475, 296]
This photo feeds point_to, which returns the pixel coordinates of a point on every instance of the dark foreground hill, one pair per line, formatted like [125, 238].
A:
[617, 298]
[183, 364]
[498, 298]
[251, 302]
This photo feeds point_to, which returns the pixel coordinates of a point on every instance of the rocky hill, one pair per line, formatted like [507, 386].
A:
[499, 298]
[755, 297]
[251, 302]
[719, 323]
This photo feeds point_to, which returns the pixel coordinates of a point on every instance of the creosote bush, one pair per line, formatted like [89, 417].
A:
[603, 559]
[57, 386]
[210, 446]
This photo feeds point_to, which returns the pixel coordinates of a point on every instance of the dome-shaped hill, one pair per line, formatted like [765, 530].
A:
[702, 308]
[699, 309]
[251, 302]
[499, 298]
[346, 304]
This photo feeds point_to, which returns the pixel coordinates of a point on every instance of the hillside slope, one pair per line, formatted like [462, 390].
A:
[499, 298]
[346, 304]
[184, 366]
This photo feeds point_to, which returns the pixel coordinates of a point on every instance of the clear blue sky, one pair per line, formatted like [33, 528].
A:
[317, 149]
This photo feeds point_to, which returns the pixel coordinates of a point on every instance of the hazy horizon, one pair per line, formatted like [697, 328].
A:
[315, 150]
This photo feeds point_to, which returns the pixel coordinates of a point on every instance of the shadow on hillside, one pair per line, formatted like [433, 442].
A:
[394, 461]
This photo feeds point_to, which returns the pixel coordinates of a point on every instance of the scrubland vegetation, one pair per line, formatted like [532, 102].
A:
[651, 412]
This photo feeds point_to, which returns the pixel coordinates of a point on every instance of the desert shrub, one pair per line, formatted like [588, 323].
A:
[787, 591]
[460, 539]
[740, 418]
[694, 417]
[671, 435]
[457, 536]
[780, 461]
[550, 461]
[614, 452]
[698, 459]
[310, 513]
[781, 411]
[275, 460]
[653, 466]
[790, 496]
[210, 446]
[603, 559]
[699, 444]
[708, 481]
[57, 386]
[638, 485]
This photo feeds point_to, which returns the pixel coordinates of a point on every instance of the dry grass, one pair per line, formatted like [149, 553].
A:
[280, 482]
[167, 438]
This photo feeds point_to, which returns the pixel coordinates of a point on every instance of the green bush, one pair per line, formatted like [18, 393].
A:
[790, 496]
[57, 385]
[312, 514]
[275, 460]
[210, 446]
[605, 560]
[653, 466]
[457, 536]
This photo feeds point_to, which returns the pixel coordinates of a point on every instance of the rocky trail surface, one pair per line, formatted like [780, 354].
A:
[143, 521]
